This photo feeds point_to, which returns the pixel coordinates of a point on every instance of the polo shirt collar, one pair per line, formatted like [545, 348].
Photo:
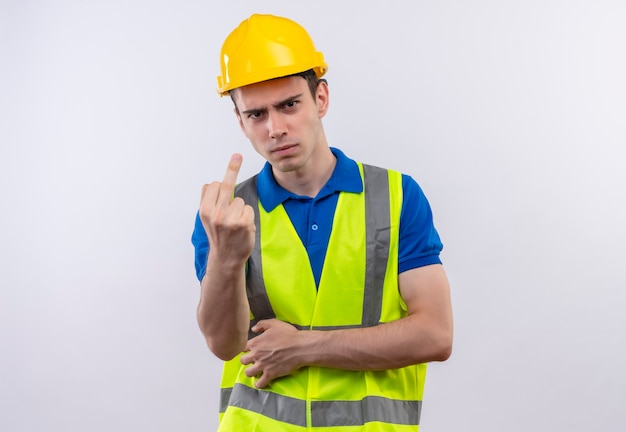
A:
[345, 178]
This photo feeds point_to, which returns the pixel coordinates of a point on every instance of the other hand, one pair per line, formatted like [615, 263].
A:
[271, 354]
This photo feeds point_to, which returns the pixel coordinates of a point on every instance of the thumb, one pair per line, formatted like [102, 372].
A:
[260, 327]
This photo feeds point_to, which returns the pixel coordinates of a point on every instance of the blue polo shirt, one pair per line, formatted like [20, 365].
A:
[419, 244]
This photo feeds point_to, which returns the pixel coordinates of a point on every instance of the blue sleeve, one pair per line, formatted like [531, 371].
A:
[200, 243]
[419, 243]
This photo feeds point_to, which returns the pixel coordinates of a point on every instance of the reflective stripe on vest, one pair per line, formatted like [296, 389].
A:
[323, 413]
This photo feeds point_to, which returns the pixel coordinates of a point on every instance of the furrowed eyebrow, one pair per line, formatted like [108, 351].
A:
[286, 101]
[254, 110]
[276, 105]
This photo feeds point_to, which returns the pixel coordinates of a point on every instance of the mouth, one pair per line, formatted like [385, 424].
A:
[283, 149]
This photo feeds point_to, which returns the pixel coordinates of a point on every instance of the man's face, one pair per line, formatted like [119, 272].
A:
[283, 121]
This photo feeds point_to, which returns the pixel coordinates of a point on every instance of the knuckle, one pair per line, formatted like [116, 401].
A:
[205, 213]
[239, 202]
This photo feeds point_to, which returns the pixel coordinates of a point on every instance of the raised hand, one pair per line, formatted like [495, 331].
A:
[228, 221]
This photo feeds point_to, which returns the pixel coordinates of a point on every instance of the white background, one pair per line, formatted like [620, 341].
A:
[510, 114]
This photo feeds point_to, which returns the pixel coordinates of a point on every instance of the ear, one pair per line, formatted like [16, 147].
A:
[322, 98]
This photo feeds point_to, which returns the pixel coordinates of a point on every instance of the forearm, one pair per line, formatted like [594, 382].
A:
[407, 341]
[279, 349]
[223, 312]
[424, 335]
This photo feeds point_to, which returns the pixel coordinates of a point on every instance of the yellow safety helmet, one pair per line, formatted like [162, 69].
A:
[264, 47]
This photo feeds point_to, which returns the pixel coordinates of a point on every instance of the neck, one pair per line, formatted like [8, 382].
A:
[311, 178]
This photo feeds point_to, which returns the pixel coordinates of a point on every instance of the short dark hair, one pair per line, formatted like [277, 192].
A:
[311, 79]
[309, 75]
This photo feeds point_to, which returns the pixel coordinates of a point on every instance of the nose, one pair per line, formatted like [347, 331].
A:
[276, 125]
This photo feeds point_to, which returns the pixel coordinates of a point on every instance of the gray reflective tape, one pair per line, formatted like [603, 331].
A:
[377, 223]
[224, 398]
[255, 286]
[272, 405]
[369, 409]
[323, 413]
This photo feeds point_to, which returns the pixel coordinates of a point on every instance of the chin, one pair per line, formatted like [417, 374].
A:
[286, 165]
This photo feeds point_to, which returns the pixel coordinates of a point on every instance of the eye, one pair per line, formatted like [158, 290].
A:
[291, 104]
[254, 115]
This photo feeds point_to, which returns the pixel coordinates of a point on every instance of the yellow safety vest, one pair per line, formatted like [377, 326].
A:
[358, 288]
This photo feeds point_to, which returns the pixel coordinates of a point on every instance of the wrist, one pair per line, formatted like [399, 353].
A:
[311, 347]
[225, 267]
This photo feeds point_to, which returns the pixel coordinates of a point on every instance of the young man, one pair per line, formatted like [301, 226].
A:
[321, 283]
